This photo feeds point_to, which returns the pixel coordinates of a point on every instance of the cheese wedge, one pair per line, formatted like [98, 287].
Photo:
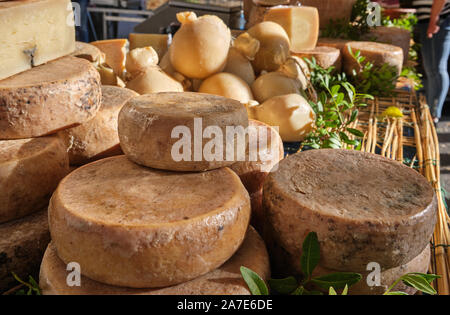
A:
[169, 131]
[300, 23]
[57, 95]
[98, 137]
[226, 280]
[22, 246]
[115, 51]
[133, 226]
[34, 32]
[159, 42]
[30, 170]
[325, 57]
[364, 208]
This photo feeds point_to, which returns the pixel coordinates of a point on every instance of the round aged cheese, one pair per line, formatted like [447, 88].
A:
[170, 130]
[98, 138]
[226, 280]
[133, 226]
[333, 42]
[387, 276]
[89, 52]
[325, 56]
[22, 246]
[227, 85]
[364, 208]
[57, 95]
[377, 53]
[265, 150]
[30, 170]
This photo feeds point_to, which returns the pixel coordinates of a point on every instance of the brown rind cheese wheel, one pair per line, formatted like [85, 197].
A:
[364, 208]
[325, 57]
[22, 245]
[43, 100]
[226, 280]
[30, 170]
[147, 125]
[133, 226]
[98, 138]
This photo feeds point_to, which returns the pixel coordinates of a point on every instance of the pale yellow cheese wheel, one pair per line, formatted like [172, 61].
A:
[225, 280]
[30, 170]
[165, 130]
[133, 226]
[98, 138]
[57, 95]
[227, 85]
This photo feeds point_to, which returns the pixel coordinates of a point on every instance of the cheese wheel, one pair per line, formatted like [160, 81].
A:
[387, 276]
[132, 226]
[226, 280]
[333, 42]
[274, 46]
[30, 170]
[364, 208]
[325, 57]
[154, 80]
[98, 138]
[88, 52]
[239, 65]
[273, 84]
[377, 53]
[265, 150]
[331, 10]
[22, 246]
[257, 218]
[165, 130]
[57, 95]
[391, 35]
[227, 85]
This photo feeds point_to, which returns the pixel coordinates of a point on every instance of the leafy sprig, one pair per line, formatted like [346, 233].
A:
[31, 287]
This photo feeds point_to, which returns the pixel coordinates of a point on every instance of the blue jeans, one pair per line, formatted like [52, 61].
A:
[435, 53]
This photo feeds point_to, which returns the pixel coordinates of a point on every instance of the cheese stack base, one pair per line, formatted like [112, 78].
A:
[226, 280]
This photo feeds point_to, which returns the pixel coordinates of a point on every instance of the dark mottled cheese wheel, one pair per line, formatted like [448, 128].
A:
[364, 208]
[22, 245]
[226, 280]
[30, 170]
[57, 95]
[148, 129]
[387, 276]
[98, 137]
[133, 226]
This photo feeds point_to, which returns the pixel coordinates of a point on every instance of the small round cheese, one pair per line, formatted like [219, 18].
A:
[22, 246]
[227, 85]
[364, 208]
[133, 226]
[325, 57]
[166, 130]
[59, 94]
[273, 84]
[240, 65]
[387, 276]
[377, 53]
[98, 138]
[154, 80]
[30, 170]
[226, 280]
[264, 152]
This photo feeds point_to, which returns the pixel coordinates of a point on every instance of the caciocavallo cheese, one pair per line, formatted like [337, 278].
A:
[98, 137]
[30, 170]
[226, 280]
[57, 95]
[138, 227]
[159, 42]
[364, 208]
[34, 32]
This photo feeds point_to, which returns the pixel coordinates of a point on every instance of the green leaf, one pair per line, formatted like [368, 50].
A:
[356, 132]
[337, 280]
[299, 291]
[310, 254]
[332, 291]
[397, 293]
[429, 277]
[418, 282]
[345, 291]
[256, 285]
[283, 286]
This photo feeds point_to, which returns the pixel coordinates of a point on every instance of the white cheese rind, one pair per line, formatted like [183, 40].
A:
[43, 25]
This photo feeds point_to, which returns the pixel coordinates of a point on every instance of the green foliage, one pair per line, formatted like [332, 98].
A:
[415, 77]
[406, 22]
[419, 281]
[31, 287]
[254, 282]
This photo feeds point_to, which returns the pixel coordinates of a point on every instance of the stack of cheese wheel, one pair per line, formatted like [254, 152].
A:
[43, 89]
[364, 208]
[159, 220]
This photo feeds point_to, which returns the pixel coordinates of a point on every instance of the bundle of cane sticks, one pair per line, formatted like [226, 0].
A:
[387, 136]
